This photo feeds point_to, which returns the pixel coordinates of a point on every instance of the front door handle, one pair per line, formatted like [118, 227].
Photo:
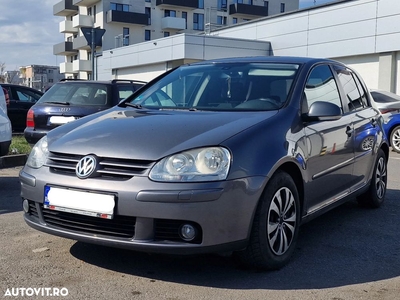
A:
[349, 131]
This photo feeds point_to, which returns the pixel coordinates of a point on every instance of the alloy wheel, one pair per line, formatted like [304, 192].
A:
[381, 178]
[281, 223]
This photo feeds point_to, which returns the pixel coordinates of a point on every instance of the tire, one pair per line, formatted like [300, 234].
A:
[375, 195]
[395, 139]
[274, 232]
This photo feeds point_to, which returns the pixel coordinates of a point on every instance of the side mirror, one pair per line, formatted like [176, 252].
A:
[323, 111]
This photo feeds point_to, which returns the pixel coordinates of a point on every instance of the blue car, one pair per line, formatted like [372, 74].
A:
[389, 105]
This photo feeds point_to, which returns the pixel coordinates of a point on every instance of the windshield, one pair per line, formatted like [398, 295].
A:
[228, 86]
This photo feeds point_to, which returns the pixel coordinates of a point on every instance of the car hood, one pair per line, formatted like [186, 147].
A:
[148, 134]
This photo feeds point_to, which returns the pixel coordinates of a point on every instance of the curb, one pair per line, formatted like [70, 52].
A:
[11, 161]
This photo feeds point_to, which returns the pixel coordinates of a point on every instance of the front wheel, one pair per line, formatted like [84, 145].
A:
[375, 195]
[275, 226]
[395, 139]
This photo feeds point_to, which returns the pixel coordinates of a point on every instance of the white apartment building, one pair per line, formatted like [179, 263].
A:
[130, 22]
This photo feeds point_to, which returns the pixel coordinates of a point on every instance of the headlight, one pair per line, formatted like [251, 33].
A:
[203, 164]
[39, 154]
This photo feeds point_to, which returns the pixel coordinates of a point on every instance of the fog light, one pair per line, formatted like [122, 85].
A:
[25, 205]
[188, 232]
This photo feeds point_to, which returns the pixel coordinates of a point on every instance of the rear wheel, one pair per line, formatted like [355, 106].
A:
[375, 195]
[395, 139]
[275, 227]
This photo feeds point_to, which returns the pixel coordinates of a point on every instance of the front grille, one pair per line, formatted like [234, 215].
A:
[109, 168]
[119, 226]
[32, 210]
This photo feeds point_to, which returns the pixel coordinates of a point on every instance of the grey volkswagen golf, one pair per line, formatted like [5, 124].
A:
[230, 155]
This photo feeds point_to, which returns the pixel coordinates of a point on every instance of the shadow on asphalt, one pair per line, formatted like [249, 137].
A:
[348, 245]
[8, 203]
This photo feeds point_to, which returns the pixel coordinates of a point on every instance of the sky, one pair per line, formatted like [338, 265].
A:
[28, 32]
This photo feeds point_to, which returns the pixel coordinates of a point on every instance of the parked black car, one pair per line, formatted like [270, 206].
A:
[21, 100]
[217, 156]
[69, 100]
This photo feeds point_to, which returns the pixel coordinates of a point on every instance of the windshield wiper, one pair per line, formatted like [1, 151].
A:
[138, 106]
[55, 102]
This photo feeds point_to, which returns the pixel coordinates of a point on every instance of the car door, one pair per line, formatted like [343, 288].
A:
[21, 100]
[330, 156]
[365, 123]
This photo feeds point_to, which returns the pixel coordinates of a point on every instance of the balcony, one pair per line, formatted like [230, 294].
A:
[84, 2]
[64, 48]
[80, 43]
[247, 10]
[173, 23]
[66, 68]
[64, 8]
[186, 4]
[66, 27]
[127, 17]
[82, 21]
[81, 66]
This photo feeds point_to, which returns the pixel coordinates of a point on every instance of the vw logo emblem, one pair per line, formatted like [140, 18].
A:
[86, 167]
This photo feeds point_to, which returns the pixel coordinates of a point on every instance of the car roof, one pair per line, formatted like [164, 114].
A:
[19, 85]
[263, 59]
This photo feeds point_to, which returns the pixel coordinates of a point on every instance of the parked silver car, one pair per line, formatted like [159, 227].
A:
[5, 125]
[224, 155]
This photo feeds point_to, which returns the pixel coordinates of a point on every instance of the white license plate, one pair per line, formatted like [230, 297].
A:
[59, 120]
[79, 202]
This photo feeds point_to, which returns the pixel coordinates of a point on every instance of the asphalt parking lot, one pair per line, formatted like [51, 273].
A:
[349, 253]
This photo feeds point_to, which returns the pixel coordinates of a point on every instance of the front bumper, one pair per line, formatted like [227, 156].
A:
[148, 215]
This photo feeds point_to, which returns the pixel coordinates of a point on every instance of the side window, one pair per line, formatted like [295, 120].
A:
[361, 90]
[27, 96]
[321, 86]
[353, 97]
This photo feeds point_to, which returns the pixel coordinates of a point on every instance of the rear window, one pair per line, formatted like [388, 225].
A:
[77, 94]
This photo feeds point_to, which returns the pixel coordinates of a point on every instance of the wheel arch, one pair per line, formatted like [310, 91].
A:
[293, 170]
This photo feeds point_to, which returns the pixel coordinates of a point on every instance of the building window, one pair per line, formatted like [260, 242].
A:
[148, 1]
[166, 33]
[234, 21]
[147, 35]
[169, 13]
[184, 16]
[51, 80]
[148, 13]
[50, 71]
[282, 7]
[125, 35]
[201, 3]
[198, 21]
[221, 20]
[91, 11]
[222, 5]
[266, 4]
[119, 6]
